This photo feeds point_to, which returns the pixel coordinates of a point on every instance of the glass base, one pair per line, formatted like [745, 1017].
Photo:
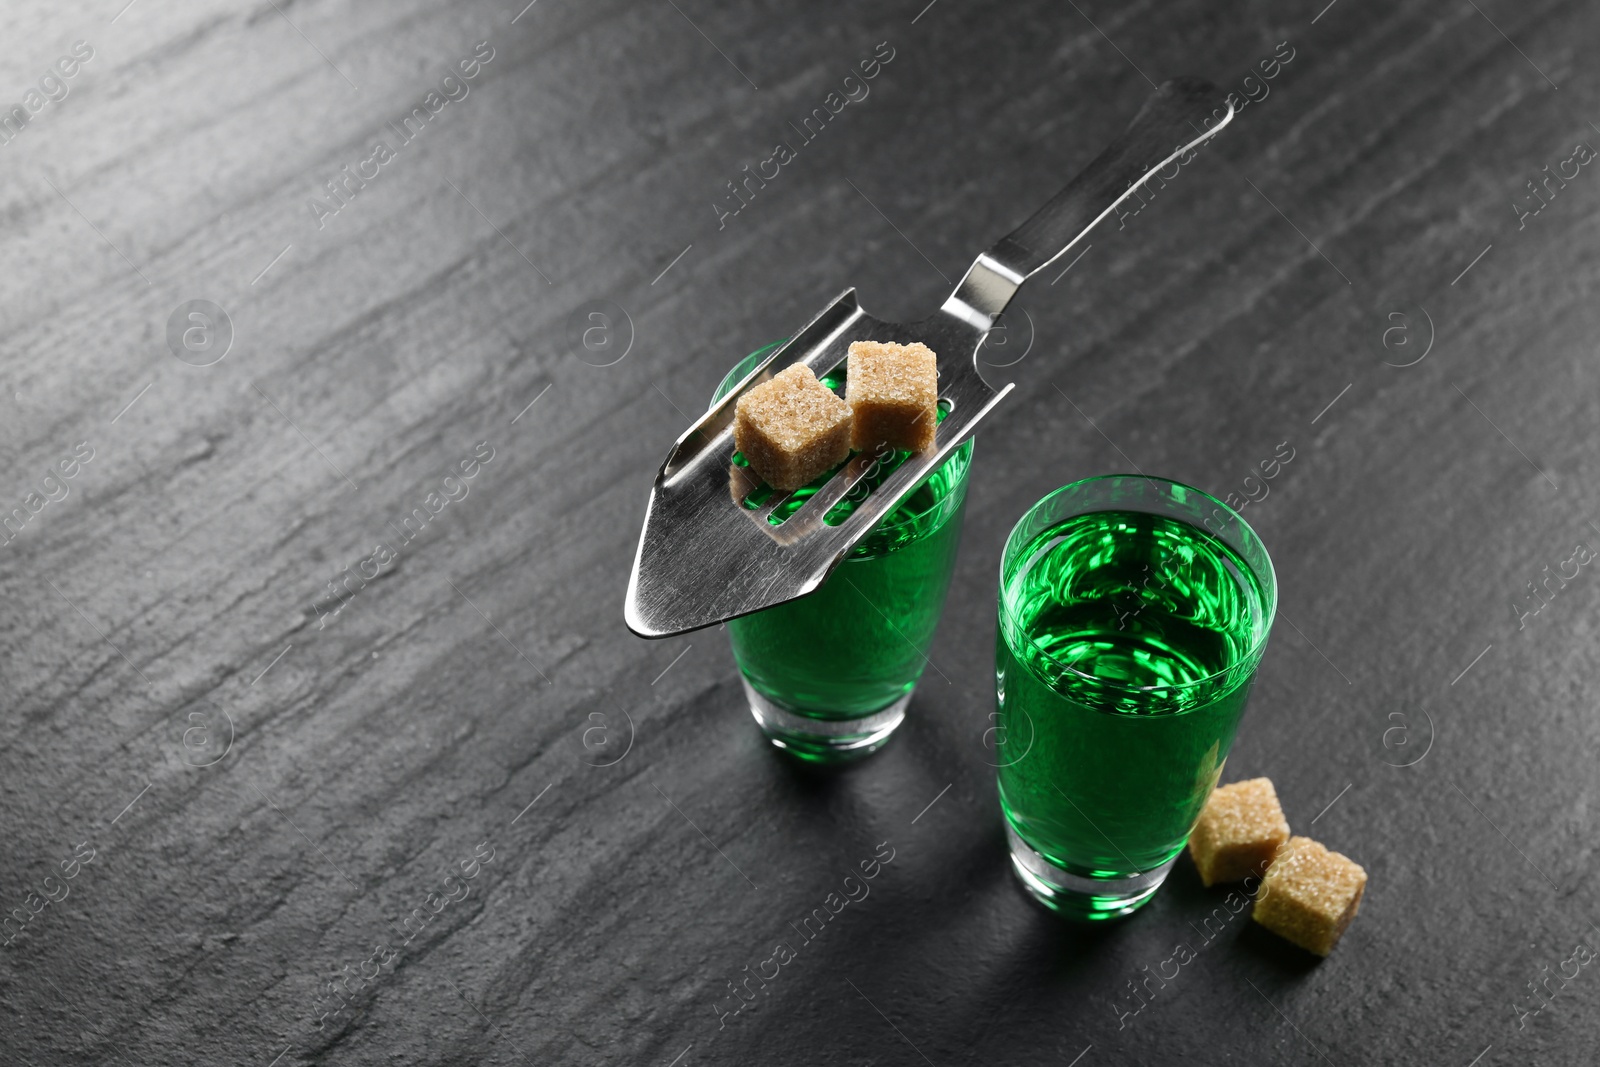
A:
[824, 740]
[1081, 896]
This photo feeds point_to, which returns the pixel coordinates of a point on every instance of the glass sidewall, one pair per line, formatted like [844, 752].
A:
[860, 666]
[1058, 881]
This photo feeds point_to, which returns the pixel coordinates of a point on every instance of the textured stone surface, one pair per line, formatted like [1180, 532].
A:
[485, 666]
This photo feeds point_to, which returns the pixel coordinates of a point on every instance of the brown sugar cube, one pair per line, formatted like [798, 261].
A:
[792, 428]
[1238, 832]
[893, 391]
[1310, 895]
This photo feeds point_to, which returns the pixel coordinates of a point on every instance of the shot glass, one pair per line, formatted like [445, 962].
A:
[828, 676]
[1133, 613]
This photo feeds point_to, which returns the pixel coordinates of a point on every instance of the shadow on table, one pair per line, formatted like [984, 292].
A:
[1282, 958]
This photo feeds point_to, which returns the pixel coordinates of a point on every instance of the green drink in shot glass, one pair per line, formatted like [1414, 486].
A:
[1133, 613]
[828, 676]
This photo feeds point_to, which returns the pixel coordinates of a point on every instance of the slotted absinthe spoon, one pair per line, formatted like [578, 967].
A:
[704, 557]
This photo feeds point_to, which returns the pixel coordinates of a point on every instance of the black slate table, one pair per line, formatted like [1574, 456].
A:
[320, 750]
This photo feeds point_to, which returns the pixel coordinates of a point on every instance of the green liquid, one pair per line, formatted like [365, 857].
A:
[1126, 647]
[859, 642]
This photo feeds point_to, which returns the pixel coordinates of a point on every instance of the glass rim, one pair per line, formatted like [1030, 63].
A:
[1267, 581]
[894, 520]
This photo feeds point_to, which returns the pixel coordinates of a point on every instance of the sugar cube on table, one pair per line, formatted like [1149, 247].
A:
[893, 391]
[792, 428]
[1310, 895]
[1238, 832]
